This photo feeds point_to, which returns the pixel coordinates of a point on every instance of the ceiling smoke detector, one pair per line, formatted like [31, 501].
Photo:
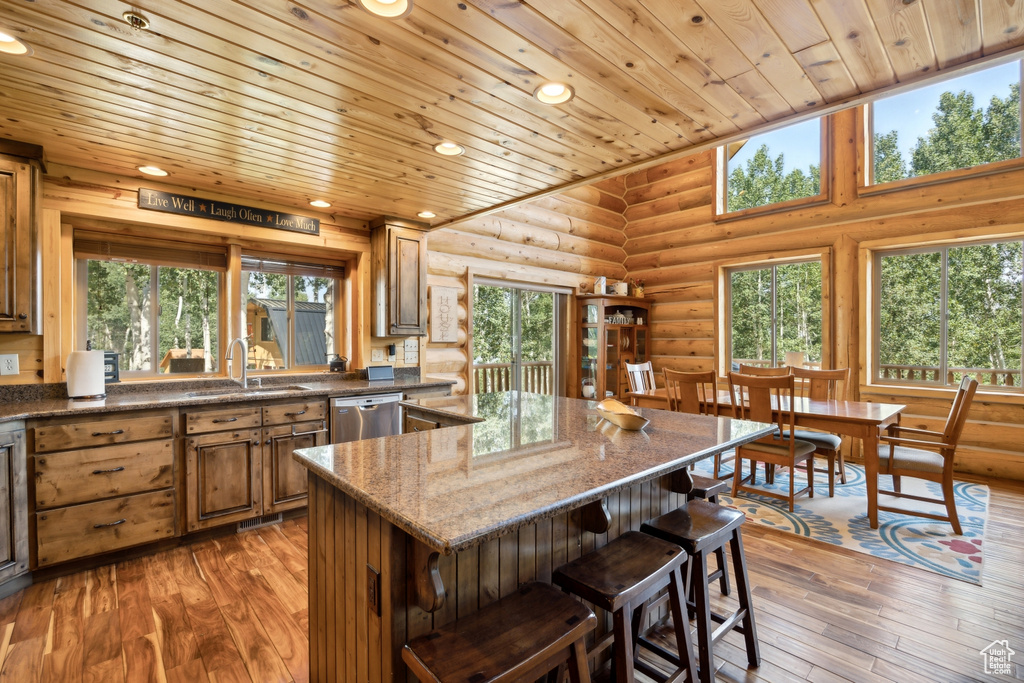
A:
[136, 20]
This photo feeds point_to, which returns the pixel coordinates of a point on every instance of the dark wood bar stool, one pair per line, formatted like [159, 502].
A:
[619, 578]
[708, 489]
[519, 638]
[700, 527]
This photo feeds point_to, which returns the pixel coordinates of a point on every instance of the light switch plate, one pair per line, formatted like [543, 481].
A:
[9, 364]
[412, 346]
[377, 355]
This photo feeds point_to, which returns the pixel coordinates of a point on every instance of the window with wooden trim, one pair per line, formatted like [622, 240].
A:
[949, 311]
[155, 303]
[289, 310]
[774, 314]
[960, 123]
[772, 169]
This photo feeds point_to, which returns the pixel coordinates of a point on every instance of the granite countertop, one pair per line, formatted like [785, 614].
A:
[22, 403]
[531, 457]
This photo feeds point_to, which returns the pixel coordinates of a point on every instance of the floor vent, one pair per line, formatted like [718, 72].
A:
[257, 522]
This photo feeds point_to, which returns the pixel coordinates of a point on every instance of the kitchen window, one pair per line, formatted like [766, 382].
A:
[775, 314]
[943, 312]
[154, 303]
[289, 312]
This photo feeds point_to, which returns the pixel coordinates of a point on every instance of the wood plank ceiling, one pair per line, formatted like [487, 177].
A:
[287, 102]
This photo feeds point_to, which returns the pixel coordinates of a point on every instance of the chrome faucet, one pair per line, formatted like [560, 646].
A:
[243, 379]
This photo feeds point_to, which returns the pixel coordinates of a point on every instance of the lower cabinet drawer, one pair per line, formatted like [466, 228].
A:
[82, 530]
[70, 477]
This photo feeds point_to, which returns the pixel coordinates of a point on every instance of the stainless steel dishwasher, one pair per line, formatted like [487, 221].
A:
[365, 417]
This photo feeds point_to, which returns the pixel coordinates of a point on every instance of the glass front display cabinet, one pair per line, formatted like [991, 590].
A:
[612, 331]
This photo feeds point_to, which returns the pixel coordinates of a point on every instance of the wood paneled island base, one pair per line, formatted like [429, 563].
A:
[382, 512]
[350, 641]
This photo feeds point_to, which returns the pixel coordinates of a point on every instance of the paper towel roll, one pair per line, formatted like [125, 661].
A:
[85, 374]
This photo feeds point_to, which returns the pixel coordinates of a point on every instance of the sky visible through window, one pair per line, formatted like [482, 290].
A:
[911, 113]
[800, 145]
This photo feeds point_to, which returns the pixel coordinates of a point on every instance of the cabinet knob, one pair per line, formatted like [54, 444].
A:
[22, 316]
[268, 442]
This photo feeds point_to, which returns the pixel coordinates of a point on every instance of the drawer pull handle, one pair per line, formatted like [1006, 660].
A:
[301, 412]
[100, 526]
[225, 419]
[115, 469]
[113, 433]
[310, 433]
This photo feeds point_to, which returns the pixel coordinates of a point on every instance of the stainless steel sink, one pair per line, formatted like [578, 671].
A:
[251, 391]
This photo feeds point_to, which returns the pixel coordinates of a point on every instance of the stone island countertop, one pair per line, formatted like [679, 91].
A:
[531, 457]
[23, 403]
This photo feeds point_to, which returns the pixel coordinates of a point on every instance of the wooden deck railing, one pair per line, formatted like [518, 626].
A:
[993, 377]
[538, 377]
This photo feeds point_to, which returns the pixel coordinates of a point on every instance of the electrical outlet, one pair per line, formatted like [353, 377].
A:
[377, 355]
[9, 364]
[373, 589]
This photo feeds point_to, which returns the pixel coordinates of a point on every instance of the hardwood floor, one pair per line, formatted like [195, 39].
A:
[234, 609]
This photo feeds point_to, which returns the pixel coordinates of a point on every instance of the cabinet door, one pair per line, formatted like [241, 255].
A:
[223, 472]
[286, 482]
[17, 272]
[407, 281]
[13, 506]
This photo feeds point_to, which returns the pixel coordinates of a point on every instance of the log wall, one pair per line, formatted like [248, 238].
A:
[678, 248]
[565, 240]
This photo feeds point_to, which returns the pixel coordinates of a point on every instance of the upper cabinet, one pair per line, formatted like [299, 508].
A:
[19, 250]
[399, 275]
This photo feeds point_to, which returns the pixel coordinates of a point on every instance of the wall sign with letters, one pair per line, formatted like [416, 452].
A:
[154, 200]
[444, 314]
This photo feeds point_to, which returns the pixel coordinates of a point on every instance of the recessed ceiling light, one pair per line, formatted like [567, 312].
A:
[554, 93]
[391, 9]
[153, 170]
[426, 214]
[319, 203]
[136, 20]
[449, 149]
[13, 46]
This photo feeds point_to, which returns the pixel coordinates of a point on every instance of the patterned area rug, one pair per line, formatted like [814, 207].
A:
[842, 520]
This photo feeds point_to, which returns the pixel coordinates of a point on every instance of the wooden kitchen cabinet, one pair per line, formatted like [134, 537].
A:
[398, 274]
[19, 246]
[14, 545]
[102, 483]
[223, 474]
[286, 482]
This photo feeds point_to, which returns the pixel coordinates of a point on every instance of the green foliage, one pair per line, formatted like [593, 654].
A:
[796, 302]
[911, 310]
[963, 136]
[763, 181]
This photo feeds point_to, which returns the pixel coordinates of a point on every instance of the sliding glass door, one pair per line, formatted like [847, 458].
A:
[515, 341]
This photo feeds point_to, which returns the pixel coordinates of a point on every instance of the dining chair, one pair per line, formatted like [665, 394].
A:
[927, 454]
[753, 397]
[764, 371]
[824, 385]
[696, 393]
[640, 375]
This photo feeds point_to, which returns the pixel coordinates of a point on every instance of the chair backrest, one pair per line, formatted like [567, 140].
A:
[763, 371]
[822, 385]
[692, 392]
[753, 396]
[958, 411]
[640, 375]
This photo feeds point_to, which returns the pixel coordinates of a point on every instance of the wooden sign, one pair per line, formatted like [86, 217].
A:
[184, 205]
[444, 314]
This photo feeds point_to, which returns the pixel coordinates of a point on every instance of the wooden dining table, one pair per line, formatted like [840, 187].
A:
[859, 419]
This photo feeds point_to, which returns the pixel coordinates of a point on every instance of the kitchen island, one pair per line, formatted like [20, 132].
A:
[409, 532]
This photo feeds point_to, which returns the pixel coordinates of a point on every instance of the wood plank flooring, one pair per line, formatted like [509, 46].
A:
[235, 609]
